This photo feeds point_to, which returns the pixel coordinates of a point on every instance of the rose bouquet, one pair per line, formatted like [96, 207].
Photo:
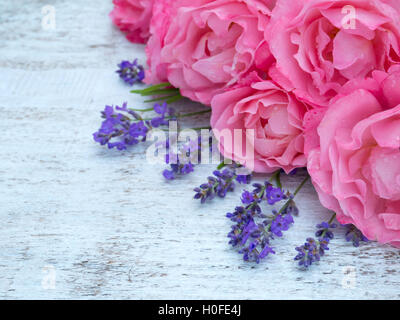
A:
[301, 84]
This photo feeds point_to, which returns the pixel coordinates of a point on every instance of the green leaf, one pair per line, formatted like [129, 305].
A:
[159, 99]
[154, 88]
[174, 99]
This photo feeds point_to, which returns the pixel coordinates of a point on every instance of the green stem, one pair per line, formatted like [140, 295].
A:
[182, 116]
[188, 114]
[326, 230]
[274, 175]
[301, 185]
[173, 99]
[158, 92]
[258, 195]
[200, 128]
[221, 165]
[142, 110]
[170, 117]
[152, 88]
[166, 98]
[332, 218]
[278, 179]
[294, 194]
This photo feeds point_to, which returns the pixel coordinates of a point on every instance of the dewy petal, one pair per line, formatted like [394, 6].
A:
[211, 67]
[278, 123]
[353, 55]
[387, 133]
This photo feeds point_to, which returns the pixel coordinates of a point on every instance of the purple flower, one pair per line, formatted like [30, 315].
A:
[247, 197]
[274, 195]
[180, 168]
[323, 230]
[109, 111]
[313, 250]
[243, 179]
[253, 230]
[119, 145]
[161, 109]
[219, 185]
[266, 251]
[308, 253]
[125, 109]
[158, 121]
[168, 174]
[131, 72]
[118, 130]
[354, 235]
[281, 223]
[192, 146]
[123, 127]
[187, 168]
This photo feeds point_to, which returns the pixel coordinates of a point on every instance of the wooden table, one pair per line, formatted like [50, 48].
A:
[79, 221]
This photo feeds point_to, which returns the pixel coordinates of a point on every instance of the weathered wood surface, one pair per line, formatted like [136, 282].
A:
[78, 221]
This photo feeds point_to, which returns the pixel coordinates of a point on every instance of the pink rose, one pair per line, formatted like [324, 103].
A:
[320, 45]
[162, 13]
[133, 17]
[355, 165]
[274, 115]
[204, 46]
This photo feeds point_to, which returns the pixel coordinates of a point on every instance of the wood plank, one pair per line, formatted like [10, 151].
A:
[105, 224]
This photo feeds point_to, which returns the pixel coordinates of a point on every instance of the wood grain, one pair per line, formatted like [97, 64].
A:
[105, 224]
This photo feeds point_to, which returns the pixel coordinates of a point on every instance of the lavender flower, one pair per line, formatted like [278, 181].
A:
[313, 250]
[253, 230]
[131, 72]
[178, 169]
[118, 130]
[162, 112]
[281, 223]
[123, 127]
[274, 195]
[354, 235]
[189, 152]
[220, 184]
[247, 197]
[244, 178]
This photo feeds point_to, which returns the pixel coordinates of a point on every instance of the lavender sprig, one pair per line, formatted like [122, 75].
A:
[123, 127]
[131, 72]
[221, 183]
[253, 230]
[354, 235]
[189, 152]
[313, 250]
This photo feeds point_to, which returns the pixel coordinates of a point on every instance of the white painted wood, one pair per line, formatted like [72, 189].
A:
[105, 224]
